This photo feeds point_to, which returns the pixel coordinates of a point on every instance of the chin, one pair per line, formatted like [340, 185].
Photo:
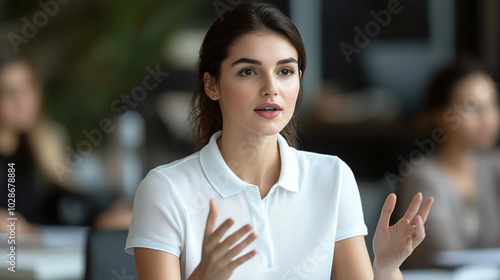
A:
[267, 127]
[269, 130]
[25, 127]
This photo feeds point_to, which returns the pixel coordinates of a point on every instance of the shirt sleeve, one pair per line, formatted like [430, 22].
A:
[350, 221]
[158, 217]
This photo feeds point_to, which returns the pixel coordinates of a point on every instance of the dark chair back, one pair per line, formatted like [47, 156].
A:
[106, 258]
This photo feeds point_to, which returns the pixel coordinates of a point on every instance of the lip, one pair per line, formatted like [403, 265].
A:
[269, 114]
[273, 105]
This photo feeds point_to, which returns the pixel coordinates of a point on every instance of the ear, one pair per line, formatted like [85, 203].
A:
[300, 73]
[210, 85]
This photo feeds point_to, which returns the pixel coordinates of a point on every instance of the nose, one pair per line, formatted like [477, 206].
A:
[269, 86]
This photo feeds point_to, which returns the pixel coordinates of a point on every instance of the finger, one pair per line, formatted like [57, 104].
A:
[214, 239]
[239, 261]
[211, 218]
[240, 247]
[233, 238]
[413, 208]
[420, 231]
[426, 208]
[387, 209]
[223, 247]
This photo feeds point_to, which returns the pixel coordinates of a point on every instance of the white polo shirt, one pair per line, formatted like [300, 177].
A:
[315, 203]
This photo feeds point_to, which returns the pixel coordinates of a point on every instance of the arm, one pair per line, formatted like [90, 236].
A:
[156, 265]
[351, 253]
[351, 260]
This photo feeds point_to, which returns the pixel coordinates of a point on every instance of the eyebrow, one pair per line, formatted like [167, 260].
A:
[258, 62]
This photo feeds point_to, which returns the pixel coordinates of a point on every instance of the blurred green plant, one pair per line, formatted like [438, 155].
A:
[92, 51]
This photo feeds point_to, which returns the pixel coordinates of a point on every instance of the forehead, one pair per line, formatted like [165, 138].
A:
[268, 46]
[15, 71]
[477, 85]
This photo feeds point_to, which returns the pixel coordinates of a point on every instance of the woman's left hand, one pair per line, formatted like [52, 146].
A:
[393, 244]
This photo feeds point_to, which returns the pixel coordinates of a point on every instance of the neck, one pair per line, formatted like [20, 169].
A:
[254, 158]
[9, 141]
[456, 157]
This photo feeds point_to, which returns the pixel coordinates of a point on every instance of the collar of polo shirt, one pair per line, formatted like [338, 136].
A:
[222, 178]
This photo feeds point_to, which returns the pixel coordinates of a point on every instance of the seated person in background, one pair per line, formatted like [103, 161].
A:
[30, 142]
[463, 102]
[33, 142]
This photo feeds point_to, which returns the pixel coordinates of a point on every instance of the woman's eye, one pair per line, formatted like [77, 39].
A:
[247, 72]
[286, 72]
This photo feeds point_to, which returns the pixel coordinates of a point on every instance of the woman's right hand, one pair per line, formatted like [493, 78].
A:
[217, 257]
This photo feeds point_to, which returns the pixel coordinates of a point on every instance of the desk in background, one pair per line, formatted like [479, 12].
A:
[55, 253]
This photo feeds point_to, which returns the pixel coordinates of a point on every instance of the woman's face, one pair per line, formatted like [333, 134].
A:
[259, 84]
[475, 101]
[19, 97]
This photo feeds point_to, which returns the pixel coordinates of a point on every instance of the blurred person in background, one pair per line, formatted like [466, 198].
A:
[33, 142]
[462, 175]
[29, 141]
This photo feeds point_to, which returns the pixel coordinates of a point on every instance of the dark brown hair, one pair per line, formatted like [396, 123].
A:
[444, 82]
[205, 113]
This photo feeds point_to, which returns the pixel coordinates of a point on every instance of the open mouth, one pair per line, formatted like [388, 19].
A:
[267, 109]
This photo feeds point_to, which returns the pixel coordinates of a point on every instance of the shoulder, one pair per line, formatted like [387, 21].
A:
[492, 159]
[324, 171]
[321, 161]
[428, 178]
[176, 167]
[161, 179]
[427, 169]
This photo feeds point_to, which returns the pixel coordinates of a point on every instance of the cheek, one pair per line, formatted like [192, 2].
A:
[3, 110]
[9, 106]
[492, 121]
[467, 130]
[31, 102]
[291, 94]
[236, 95]
[471, 125]
[8, 112]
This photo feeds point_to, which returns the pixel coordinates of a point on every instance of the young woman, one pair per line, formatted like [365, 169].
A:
[247, 205]
[463, 103]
